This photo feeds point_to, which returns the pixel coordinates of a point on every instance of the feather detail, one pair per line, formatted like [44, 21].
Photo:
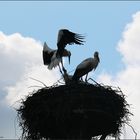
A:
[46, 48]
[66, 37]
[86, 66]
[54, 61]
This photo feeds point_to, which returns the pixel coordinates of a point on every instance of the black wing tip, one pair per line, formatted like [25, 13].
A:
[73, 38]
[79, 38]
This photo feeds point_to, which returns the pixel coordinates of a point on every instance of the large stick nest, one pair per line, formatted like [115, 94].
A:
[73, 111]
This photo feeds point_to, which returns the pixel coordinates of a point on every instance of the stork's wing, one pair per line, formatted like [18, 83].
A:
[46, 48]
[47, 54]
[85, 63]
[82, 69]
[66, 37]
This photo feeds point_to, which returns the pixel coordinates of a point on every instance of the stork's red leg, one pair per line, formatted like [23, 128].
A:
[63, 66]
[86, 77]
[60, 69]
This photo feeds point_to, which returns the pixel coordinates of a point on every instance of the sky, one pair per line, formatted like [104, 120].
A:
[110, 27]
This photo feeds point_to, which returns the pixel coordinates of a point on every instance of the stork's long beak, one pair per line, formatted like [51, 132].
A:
[69, 58]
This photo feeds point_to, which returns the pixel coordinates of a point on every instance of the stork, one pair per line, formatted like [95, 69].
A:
[51, 57]
[86, 66]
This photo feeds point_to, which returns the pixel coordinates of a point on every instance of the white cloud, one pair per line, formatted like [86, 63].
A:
[26, 84]
[21, 58]
[128, 79]
[129, 45]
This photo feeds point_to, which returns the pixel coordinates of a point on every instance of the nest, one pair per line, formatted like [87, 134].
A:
[75, 111]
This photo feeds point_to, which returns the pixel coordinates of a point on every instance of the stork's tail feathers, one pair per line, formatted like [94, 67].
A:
[75, 78]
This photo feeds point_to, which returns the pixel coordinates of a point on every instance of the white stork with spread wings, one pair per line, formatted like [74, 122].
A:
[52, 58]
[86, 66]
[49, 56]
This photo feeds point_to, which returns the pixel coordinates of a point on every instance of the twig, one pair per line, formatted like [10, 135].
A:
[94, 81]
[35, 86]
[38, 81]
[58, 81]
[133, 130]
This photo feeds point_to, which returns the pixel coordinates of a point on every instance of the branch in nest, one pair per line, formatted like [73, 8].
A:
[35, 86]
[133, 130]
[38, 81]
[94, 81]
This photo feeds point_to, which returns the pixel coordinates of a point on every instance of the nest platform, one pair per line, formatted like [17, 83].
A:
[76, 111]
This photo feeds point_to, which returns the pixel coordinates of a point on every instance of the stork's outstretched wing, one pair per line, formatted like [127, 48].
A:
[47, 54]
[67, 37]
[46, 48]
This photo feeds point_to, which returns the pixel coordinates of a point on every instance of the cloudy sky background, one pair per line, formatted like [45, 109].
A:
[112, 28]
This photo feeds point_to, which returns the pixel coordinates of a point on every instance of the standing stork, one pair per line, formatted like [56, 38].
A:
[52, 58]
[86, 66]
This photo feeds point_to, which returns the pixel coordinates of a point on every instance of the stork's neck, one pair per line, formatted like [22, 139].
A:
[60, 52]
[98, 58]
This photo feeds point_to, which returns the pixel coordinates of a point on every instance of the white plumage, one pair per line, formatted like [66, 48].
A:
[50, 57]
[54, 61]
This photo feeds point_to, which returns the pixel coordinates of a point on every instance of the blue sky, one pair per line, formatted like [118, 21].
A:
[101, 22]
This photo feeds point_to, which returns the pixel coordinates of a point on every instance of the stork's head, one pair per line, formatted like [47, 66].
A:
[96, 55]
[67, 53]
